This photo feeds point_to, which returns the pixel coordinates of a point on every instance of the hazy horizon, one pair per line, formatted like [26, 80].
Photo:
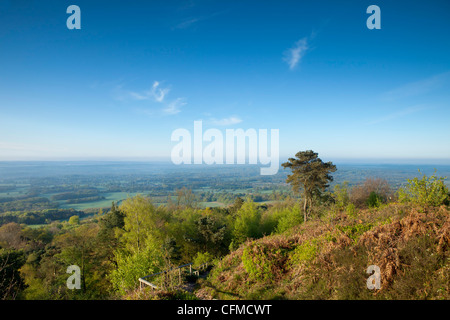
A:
[374, 161]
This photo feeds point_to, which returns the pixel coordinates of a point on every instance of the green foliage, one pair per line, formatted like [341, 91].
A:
[139, 238]
[351, 211]
[172, 249]
[289, 217]
[355, 231]
[29, 204]
[201, 258]
[305, 252]
[114, 218]
[211, 233]
[133, 264]
[247, 223]
[260, 262]
[74, 220]
[426, 191]
[374, 200]
[310, 174]
[38, 217]
[78, 246]
[341, 195]
[425, 274]
[35, 289]
[238, 202]
[141, 220]
[11, 283]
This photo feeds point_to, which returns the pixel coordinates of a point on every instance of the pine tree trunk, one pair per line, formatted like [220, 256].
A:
[304, 209]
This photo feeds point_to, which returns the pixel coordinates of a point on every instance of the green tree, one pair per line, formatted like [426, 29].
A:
[288, 217]
[114, 218]
[374, 200]
[341, 195]
[246, 224]
[141, 220]
[142, 251]
[426, 191]
[133, 264]
[238, 202]
[78, 247]
[74, 220]
[11, 282]
[310, 175]
[185, 198]
[211, 233]
[111, 225]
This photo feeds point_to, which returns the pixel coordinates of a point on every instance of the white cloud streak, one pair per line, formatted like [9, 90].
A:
[159, 94]
[423, 86]
[399, 114]
[174, 106]
[294, 55]
[155, 93]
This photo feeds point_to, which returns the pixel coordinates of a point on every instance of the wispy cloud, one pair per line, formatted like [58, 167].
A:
[187, 23]
[418, 87]
[294, 55]
[400, 114]
[192, 20]
[174, 107]
[226, 121]
[156, 93]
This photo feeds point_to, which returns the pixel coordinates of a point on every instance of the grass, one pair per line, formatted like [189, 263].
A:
[212, 204]
[109, 198]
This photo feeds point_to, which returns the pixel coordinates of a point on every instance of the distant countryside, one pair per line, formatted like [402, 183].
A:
[49, 191]
[246, 236]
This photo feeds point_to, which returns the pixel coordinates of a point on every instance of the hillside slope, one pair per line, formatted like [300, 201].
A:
[327, 258]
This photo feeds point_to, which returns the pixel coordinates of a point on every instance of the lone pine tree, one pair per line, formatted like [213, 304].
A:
[310, 175]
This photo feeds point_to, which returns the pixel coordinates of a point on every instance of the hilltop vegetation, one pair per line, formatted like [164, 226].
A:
[327, 258]
[259, 251]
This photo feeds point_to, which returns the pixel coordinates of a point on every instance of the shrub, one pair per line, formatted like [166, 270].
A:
[289, 217]
[260, 262]
[351, 210]
[247, 224]
[135, 264]
[360, 194]
[340, 195]
[305, 252]
[374, 200]
[202, 258]
[355, 231]
[74, 220]
[427, 191]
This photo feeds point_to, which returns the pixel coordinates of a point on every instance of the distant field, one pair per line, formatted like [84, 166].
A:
[20, 190]
[161, 181]
[269, 202]
[109, 198]
[11, 194]
[36, 226]
[212, 204]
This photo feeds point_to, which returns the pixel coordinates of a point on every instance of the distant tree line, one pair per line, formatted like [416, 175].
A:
[38, 217]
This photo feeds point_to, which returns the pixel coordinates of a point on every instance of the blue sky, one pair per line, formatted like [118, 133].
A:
[136, 71]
